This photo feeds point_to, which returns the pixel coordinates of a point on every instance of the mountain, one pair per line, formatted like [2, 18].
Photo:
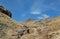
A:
[30, 29]
[45, 29]
[9, 28]
[29, 22]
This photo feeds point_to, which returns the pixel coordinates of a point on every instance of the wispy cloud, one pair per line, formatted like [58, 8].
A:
[43, 16]
[40, 6]
[44, 5]
[35, 12]
[40, 17]
[23, 15]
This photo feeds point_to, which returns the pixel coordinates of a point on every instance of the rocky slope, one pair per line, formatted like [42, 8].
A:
[10, 29]
[44, 29]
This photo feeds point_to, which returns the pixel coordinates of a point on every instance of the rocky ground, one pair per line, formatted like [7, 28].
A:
[30, 29]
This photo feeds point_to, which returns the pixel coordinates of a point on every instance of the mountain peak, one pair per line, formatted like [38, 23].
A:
[30, 19]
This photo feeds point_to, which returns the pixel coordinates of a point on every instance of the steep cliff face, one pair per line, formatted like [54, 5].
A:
[30, 29]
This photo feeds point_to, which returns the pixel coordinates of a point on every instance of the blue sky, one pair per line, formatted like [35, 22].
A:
[36, 9]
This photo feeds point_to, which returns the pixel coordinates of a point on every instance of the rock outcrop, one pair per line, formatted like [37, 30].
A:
[5, 11]
[30, 29]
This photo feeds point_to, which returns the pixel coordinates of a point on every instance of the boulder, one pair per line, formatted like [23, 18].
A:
[5, 11]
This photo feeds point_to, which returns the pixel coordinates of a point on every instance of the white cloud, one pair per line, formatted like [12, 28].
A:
[35, 8]
[43, 16]
[35, 12]
[23, 15]
[39, 6]
[40, 17]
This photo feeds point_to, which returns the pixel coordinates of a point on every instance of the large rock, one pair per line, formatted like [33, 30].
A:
[5, 11]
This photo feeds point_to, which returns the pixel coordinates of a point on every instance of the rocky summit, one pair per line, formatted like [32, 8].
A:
[30, 29]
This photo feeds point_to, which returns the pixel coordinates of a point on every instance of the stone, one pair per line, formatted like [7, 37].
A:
[5, 11]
